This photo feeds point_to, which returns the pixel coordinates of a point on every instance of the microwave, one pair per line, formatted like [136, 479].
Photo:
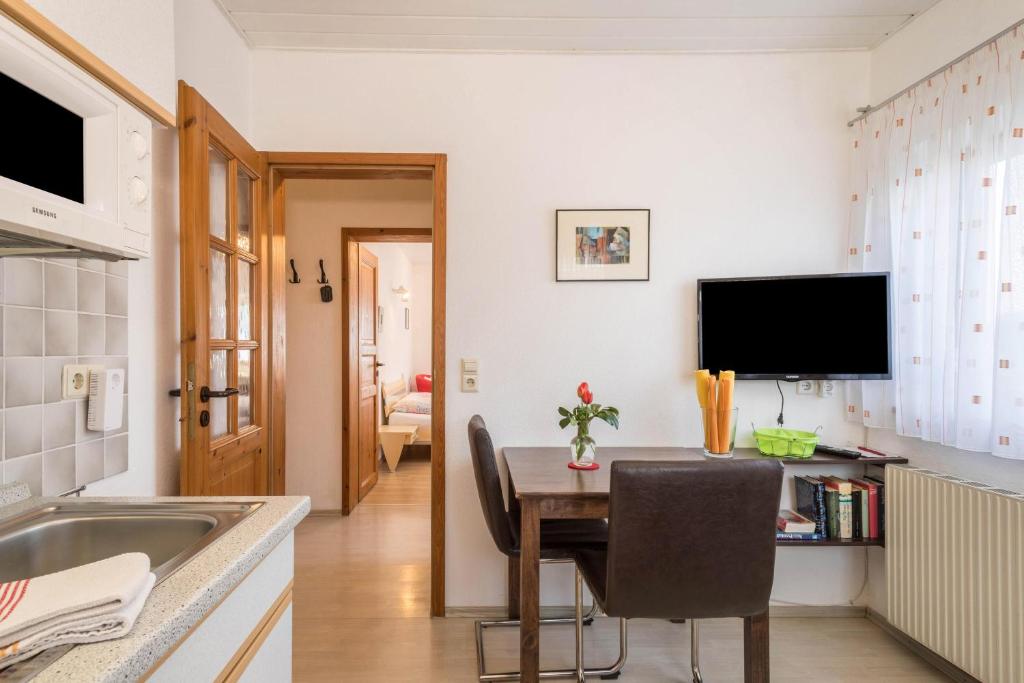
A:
[76, 164]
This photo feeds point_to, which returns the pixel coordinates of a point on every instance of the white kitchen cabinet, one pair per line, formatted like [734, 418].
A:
[248, 636]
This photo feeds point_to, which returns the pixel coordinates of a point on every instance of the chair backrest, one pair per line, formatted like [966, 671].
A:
[488, 486]
[691, 539]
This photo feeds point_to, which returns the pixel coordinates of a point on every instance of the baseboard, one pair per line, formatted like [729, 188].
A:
[817, 611]
[777, 611]
[502, 612]
[324, 513]
[946, 667]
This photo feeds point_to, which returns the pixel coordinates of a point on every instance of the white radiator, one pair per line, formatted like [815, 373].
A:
[955, 570]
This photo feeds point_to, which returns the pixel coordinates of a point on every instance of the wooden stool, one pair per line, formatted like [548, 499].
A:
[394, 438]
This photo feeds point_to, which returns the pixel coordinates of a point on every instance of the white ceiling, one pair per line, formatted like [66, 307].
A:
[570, 25]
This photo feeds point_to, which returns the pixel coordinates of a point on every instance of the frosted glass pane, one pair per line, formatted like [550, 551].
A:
[244, 388]
[218, 194]
[244, 299]
[218, 295]
[218, 407]
[244, 206]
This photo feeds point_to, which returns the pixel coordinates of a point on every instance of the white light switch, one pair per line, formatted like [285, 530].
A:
[470, 374]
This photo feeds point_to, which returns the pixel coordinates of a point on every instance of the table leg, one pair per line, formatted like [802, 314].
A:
[529, 592]
[755, 649]
[513, 588]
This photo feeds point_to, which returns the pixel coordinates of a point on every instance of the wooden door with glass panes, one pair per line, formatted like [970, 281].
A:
[223, 284]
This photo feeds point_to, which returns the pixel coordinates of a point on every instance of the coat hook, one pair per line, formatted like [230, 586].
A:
[295, 275]
[326, 294]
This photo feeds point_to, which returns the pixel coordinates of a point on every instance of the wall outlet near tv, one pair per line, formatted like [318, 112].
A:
[806, 386]
[826, 388]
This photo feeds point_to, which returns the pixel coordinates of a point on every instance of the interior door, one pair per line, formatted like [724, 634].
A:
[223, 292]
[366, 284]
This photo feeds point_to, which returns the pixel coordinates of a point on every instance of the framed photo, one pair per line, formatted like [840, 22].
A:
[602, 244]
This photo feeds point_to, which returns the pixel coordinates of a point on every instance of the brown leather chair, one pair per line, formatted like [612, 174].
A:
[560, 540]
[687, 540]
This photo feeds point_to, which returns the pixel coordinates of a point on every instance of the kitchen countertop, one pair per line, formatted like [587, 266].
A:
[184, 598]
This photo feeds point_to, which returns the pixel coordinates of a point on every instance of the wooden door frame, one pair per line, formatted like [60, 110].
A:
[329, 165]
[350, 481]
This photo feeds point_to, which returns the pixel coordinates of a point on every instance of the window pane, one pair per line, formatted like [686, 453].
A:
[218, 295]
[244, 388]
[244, 207]
[244, 299]
[218, 382]
[218, 194]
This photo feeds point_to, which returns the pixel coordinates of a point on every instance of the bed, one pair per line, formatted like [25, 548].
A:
[402, 407]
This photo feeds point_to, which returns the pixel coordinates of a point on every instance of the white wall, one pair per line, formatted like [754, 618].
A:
[138, 39]
[214, 59]
[742, 159]
[315, 212]
[420, 301]
[942, 33]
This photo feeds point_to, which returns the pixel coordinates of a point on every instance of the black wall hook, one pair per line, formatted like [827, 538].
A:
[294, 279]
[326, 294]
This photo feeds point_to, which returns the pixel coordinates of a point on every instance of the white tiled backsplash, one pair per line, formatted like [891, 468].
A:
[58, 312]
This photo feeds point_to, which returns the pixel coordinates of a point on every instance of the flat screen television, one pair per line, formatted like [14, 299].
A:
[796, 327]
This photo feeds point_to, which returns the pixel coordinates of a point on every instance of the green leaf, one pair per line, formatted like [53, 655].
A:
[564, 422]
[563, 412]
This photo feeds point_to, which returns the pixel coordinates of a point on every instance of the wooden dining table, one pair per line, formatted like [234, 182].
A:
[542, 486]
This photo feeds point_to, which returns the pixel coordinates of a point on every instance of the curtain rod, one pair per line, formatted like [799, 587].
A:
[867, 111]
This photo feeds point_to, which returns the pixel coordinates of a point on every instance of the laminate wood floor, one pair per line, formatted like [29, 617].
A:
[362, 596]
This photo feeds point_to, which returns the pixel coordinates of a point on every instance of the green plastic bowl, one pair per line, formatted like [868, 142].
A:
[785, 443]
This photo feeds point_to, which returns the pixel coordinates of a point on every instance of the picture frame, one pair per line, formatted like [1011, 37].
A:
[602, 245]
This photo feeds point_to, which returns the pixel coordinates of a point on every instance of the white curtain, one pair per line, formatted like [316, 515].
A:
[938, 200]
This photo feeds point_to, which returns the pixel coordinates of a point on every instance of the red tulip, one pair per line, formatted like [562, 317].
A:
[582, 389]
[588, 397]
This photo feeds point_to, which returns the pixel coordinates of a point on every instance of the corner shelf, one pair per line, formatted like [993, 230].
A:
[834, 542]
[820, 459]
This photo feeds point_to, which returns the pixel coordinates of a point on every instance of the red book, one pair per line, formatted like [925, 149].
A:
[872, 489]
[793, 523]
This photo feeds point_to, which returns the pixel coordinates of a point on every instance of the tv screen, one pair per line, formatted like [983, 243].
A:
[800, 327]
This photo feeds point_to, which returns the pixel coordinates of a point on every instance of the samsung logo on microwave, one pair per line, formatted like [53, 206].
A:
[44, 212]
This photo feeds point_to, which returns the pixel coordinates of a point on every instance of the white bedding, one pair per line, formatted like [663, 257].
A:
[404, 408]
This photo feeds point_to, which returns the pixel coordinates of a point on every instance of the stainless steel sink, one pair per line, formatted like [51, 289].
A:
[62, 535]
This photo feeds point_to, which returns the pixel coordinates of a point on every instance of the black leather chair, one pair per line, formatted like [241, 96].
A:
[687, 540]
[560, 540]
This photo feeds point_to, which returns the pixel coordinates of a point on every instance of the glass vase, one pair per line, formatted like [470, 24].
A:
[721, 443]
[583, 448]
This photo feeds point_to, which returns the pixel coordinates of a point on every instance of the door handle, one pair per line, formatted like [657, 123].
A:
[205, 393]
[379, 364]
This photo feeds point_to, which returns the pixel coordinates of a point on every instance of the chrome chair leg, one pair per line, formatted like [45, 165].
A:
[579, 619]
[695, 650]
[579, 627]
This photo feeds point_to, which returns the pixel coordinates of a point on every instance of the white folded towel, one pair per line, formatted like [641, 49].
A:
[94, 602]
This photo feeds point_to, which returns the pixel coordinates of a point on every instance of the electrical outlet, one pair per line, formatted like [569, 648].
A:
[75, 380]
[805, 386]
[826, 388]
[469, 382]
